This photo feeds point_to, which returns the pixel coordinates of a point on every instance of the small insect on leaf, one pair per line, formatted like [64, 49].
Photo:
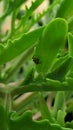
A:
[51, 41]
[36, 60]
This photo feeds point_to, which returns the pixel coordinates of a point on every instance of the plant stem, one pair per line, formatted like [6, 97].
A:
[2, 88]
[21, 102]
[8, 107]
[8, 102]
[42, 86]
[46, 113]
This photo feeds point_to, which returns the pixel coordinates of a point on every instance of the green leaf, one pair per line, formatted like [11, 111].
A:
[60, 117]
[29, 12]
[11, 6]
[58, 61]
[46, 114]
[51, 41]
[33, 7]
[70, 24]
[16, 47]
[66, 9]
[70, 41]
[70, 44]
[60, 72]
[59, 103]
[69, 124]
[55, 83]
[25, 122]
[69, 81]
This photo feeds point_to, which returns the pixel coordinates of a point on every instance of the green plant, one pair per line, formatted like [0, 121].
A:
[38, 61]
